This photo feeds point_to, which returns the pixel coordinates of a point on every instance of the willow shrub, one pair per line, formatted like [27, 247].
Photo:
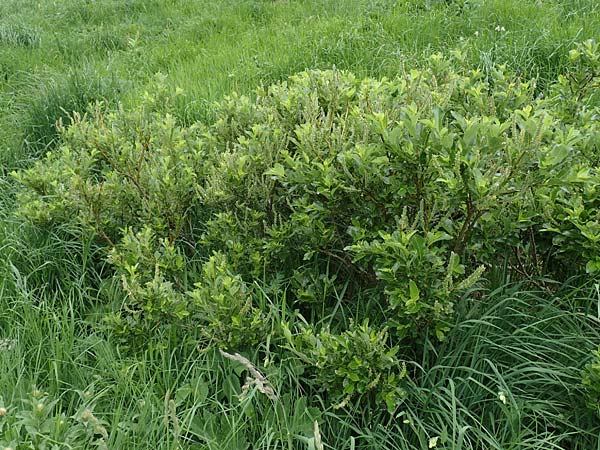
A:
[591, 382]
[384, 199]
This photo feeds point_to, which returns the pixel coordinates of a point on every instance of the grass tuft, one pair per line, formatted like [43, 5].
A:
[19, 36]
[57, 100]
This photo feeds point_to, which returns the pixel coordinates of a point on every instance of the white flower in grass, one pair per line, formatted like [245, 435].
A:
[502, 397]
[433, 441]
[7, 344]
[500, 28]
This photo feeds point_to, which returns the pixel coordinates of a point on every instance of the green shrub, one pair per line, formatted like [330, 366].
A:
[570, 195]
[38, 423]
[56, 101]
[591, 382]
[378, 199]
[224, 306]
[354, 364]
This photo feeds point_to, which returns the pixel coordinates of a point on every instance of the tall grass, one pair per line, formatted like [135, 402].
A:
[19, 36]
[210, 49]
[508, 376]
[55, 101]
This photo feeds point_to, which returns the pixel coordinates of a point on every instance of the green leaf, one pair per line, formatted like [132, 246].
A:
[231, 387]
[592, 266]
[556, 156]
[277, 171]
[414, 291]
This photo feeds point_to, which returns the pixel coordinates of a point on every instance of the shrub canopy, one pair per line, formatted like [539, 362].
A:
[386, 198]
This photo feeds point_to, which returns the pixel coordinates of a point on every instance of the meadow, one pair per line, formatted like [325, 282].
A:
[299, 224]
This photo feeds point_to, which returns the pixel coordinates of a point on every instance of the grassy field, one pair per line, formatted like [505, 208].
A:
[62, 55]
[508, 374]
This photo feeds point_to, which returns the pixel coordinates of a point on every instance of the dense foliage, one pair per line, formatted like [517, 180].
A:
[37, 423]
[390, 197]
[591, 382]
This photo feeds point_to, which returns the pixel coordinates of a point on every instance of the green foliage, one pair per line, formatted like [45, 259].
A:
[575, 89]
[142, 165]
[358, 363]
[335, 191]
[591, 382]
[332, 187]
[571, 196]
[147, 268]
[320, 202]
[405, 261]
[56, 101]
[38, 424]
[507, 370]
[223, 306]
[19, 36]
[295, 186]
